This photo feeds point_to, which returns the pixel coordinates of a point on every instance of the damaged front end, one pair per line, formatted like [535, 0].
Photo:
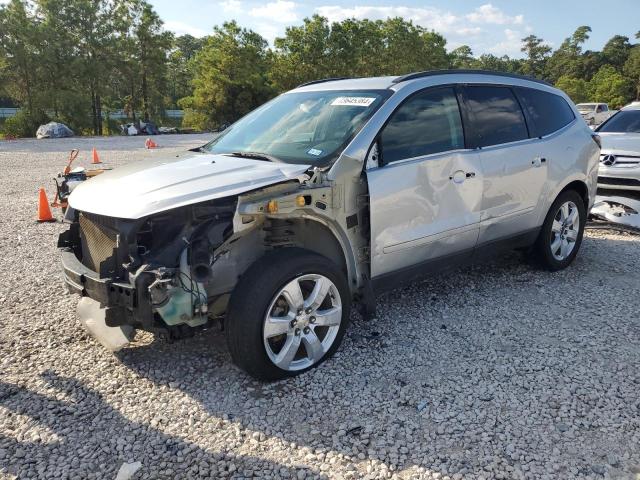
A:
[151, 273]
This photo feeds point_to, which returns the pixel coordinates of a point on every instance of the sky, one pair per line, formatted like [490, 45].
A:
[494, 26]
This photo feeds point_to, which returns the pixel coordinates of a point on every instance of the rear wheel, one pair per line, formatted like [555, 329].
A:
[287, 314]
[561, 234]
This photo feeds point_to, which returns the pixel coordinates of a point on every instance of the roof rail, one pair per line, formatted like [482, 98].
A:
[322, 80]
[433, 73]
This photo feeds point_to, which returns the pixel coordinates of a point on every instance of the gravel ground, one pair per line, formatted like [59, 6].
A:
[496, 371]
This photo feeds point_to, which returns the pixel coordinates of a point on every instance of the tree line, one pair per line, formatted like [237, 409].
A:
[75, 60]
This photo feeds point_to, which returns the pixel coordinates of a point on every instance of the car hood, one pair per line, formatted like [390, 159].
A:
[152, 186]
[620, 143]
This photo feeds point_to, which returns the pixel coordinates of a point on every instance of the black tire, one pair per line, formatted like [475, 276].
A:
[254, 294]
[542, 250]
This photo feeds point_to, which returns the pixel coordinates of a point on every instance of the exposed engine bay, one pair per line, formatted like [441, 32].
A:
[174, 271]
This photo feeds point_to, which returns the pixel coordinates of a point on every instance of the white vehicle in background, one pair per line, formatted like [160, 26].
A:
[620, 155]
[594, 113]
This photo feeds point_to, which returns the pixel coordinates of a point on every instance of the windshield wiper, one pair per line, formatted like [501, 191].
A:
[255, 156]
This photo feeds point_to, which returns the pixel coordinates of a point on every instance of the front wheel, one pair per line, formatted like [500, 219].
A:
[287, 314]
[561, 234]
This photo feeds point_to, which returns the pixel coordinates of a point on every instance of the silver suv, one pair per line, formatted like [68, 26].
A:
[325, 196]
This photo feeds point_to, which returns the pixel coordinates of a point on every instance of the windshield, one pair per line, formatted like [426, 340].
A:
[623, 122]
[586, 107]
[301, 127]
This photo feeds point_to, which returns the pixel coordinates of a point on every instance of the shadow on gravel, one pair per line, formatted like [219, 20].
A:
[90, 436]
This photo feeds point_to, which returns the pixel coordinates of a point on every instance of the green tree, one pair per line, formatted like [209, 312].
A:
[180, 67]
[616, 51]
[462, 57]
[411, 48]
[19, 44]
[632, 68]
[537, 53]
[303, 54]
[610, 86]
[498, 64]
[230, 77]
[152, 45]
[567, 60]
[576, 88]
[354, 48]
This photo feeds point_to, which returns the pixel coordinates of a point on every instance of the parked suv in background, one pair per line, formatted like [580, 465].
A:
[594, 113]
[620, 156]
[327, 195]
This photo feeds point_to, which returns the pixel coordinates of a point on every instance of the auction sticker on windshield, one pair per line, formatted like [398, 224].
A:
[353, 101]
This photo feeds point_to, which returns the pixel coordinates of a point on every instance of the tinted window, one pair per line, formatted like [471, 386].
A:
[498, 117]
[549, 112]
[623, 122]
[428, 122]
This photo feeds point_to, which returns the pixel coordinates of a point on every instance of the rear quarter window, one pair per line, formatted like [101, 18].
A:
[548, 112]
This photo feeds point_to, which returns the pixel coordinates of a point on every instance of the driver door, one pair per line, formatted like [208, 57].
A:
[426, 193]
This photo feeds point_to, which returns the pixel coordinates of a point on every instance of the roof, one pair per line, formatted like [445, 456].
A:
[394, 82]
[632, 106]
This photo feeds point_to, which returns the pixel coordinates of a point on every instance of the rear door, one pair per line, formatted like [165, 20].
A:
[514, 167]
[425, 196]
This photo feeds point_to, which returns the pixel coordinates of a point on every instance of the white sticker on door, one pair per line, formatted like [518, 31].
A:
[353, 101]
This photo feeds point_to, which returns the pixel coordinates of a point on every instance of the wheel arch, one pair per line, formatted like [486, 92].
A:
[279, 233]
[580, 187]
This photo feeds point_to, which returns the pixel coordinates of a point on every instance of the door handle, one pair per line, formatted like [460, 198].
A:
[460, 176]
[538, 161]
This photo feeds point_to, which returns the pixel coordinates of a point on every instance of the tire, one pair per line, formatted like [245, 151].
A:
[558, 227]
[263, 346]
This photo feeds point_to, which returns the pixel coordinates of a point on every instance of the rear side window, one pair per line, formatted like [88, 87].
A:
[549, 112]
[428, 122]
[497, 117]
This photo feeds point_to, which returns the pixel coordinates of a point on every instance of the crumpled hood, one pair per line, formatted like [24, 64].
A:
[151, 186]
[620, 143]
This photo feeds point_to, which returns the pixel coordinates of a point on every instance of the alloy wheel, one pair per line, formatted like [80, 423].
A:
[564, 231]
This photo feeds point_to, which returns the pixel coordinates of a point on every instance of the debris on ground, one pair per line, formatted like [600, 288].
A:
[54, 130]
[128, 470]
[139, 128]
[616, 211]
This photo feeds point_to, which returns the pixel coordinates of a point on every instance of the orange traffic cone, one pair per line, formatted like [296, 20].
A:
[150, 143]
[95, 158]
[44, 212]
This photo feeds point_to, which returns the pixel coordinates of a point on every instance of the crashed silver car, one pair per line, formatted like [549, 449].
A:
[324, 197]
[620, 155]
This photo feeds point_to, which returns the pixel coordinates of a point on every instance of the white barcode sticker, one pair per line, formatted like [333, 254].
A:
[353, 101]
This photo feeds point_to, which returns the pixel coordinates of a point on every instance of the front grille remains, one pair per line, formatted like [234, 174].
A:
[622, 182]
[99, 242]
[619, 161]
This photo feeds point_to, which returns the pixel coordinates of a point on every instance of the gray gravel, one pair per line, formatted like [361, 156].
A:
[496, 371]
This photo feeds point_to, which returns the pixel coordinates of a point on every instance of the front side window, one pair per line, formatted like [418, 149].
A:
[428, 122]
[549, 112]
[497, 117]
[626, 121]
[301, 127]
